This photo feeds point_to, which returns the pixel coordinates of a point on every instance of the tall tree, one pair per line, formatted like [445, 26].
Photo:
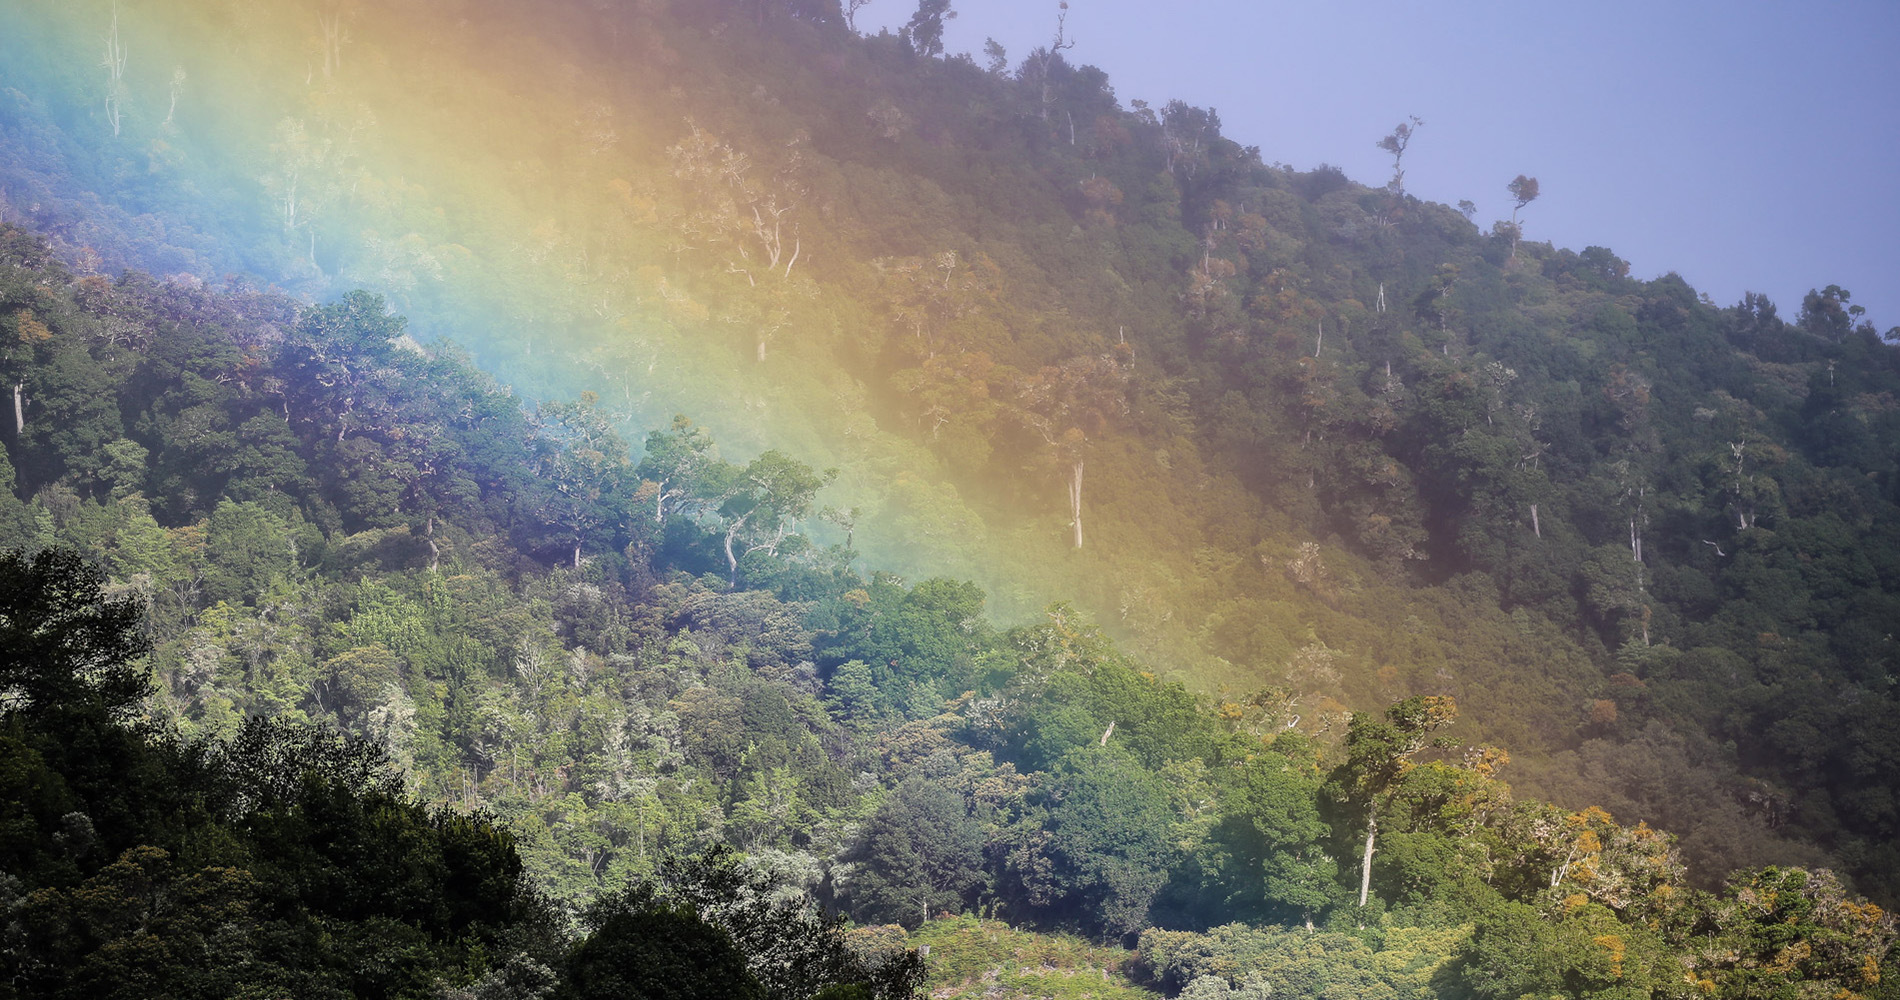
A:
[924, 32]
[1523, 191]
[792, 947]
[1044, 60]
[642, 949]
[674, 469]
[1270, 822]
[1396, 143]
[762, 504]
[585, 462]
[1378, 753]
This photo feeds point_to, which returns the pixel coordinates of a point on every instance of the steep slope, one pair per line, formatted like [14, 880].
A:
[1312, 436]
[369, 536]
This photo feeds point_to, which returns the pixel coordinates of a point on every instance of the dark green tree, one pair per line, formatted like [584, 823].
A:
[1270, 824]
[64, 646]
[1379, 752]
[924, 32]
[793, 949]
[920, 853]
[588, 471]
[1096, 852]
[640, 948]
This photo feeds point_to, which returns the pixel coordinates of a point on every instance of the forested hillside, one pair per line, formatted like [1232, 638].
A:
[634, 662]
[1300, 447]
[285, 860]
[1645, 538]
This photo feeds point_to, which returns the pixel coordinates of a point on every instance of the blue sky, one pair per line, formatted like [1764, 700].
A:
[1749, 146]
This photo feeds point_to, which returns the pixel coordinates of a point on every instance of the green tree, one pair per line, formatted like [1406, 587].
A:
[1270, 822]
[1514, 953]
[249, 553]
[673, 471]
[1523, 191]
[924, 32]
[792, 947]
[16, 521]
[140, 927]
[1827, 314]
[1379, 753]
[64, 646]
[919, 853]
[334, 361]
[640, 948]
[1788, 932]
[761, 505]
[586, 465]
[1102, 851]
[930, 634]
[1396, 143]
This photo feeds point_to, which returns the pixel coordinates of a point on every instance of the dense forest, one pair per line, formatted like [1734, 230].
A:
[1347, 492]
[503, 611]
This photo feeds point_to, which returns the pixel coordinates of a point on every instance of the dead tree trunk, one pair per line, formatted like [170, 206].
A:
[332, 28]
[115, 74]
[1075, 501]
[1365, 865]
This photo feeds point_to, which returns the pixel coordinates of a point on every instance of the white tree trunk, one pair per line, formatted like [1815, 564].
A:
[19, 409]
[1365, 866]
[732, 558]
[1075, 501]
[178, 86]
[332, 28]
[115, 73]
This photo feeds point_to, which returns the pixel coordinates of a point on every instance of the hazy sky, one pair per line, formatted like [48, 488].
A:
[1748, 145]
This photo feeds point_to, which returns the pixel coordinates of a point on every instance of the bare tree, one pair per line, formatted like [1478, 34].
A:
[1065, 404]
[178, 87]
[114, 63]
[1045, 58]
[330, 23]
[735, 209]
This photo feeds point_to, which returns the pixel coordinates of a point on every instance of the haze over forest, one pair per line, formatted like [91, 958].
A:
[1681, 145]
[692, 499]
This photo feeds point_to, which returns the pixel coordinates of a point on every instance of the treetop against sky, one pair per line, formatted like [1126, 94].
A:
[1747, 147]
